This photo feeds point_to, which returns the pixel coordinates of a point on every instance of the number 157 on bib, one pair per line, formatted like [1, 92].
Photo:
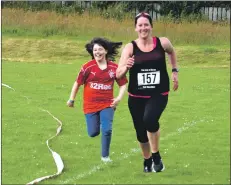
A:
[148, 78]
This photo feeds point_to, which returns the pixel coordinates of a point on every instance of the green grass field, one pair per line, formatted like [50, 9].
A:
[195, 127]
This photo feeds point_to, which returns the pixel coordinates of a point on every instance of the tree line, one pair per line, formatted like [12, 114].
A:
[176, 9]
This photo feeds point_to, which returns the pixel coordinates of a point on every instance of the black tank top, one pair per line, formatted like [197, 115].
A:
[148, 75]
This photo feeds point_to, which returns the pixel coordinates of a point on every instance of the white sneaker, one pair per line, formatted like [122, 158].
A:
[106, 159]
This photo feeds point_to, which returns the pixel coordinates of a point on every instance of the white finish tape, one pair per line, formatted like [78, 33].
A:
[8, 86]
[56, 156]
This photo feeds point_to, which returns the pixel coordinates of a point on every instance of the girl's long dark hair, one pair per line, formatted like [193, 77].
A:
[111, 47]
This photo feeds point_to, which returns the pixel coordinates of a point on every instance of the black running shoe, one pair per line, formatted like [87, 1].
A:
[158, 167]
[148, 166]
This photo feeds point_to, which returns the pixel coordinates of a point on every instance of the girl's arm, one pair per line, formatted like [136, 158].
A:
[116, 100]
[75, 88]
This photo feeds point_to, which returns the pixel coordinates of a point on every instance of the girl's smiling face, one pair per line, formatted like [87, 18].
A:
[99, 53]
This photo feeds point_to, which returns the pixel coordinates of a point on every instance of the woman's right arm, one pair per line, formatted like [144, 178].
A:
[126, 61]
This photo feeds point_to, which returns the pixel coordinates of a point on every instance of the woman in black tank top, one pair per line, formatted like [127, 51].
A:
[148, 75]
[148, 87]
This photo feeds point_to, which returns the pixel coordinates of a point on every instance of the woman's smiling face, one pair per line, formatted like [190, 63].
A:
[143, 27]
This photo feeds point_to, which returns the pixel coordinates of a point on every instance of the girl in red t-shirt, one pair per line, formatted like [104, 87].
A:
[98, 77]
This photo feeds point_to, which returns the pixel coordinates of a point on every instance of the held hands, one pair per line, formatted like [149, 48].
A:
[70, 103]
[130, 62]
[175, 80]
[115, 102]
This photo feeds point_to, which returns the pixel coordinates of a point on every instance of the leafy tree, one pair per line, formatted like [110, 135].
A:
[178, 8]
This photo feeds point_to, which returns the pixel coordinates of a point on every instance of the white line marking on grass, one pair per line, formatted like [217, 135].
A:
[98, 167]
[59, 162]
[133, 151]
[8, 86]
[56, 156]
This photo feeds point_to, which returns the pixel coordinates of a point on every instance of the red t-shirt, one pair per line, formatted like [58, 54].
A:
[98, 85]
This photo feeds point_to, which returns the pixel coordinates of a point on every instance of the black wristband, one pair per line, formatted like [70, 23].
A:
[71, 101]
[175, 70]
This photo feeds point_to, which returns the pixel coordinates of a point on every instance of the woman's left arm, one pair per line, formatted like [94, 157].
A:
[166, 44]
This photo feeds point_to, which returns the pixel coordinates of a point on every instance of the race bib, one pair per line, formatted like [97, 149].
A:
[149, 78]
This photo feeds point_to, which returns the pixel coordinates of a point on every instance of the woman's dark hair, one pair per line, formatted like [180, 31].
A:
[110, 47]
[143, 14]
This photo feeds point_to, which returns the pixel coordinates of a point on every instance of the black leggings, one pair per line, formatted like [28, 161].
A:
[146, 113]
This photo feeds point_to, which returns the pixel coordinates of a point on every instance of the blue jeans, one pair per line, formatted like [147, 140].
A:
[103, 118]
